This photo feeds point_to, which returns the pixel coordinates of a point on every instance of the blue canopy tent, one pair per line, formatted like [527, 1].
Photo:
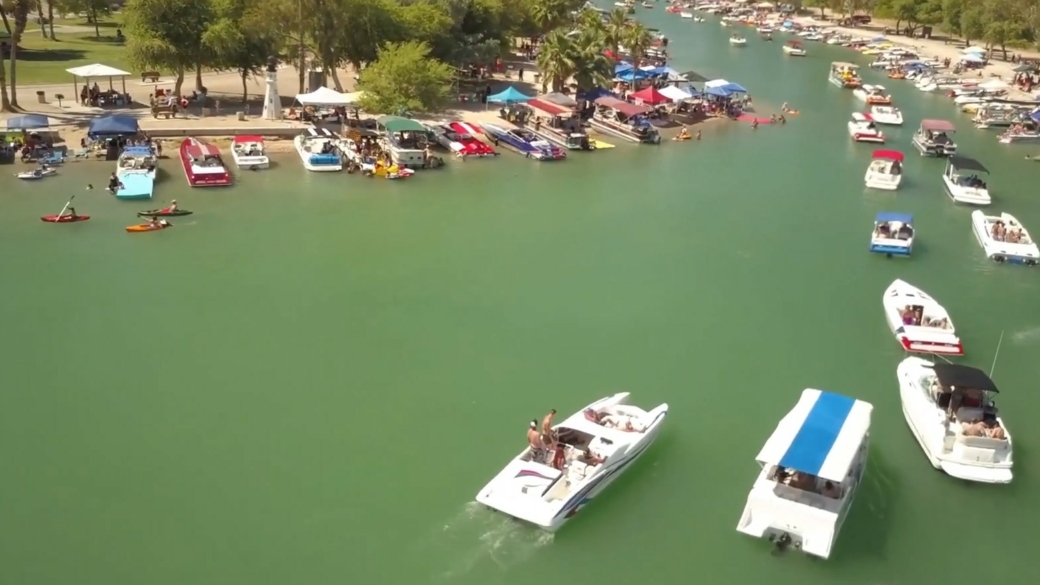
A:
[622, 67]
[717, 92]
[114, 125]
[632, 75]
[904, 218]
[28, 122]
[656, 71]
[509, 96]
[1035, 116]
[594, 94]
[733, 88]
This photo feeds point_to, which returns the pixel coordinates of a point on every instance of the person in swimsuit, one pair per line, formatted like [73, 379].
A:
[534, 439]
[547, 433]
[172, 207]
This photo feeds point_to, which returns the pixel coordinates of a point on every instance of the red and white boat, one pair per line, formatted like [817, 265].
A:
[202, 164]
[919, 323]
[863, 129]
[461, 139]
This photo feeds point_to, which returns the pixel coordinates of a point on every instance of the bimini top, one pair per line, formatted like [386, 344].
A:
[904, 218]
[967, 164]
[138, 151]
[820, 436]
[888, 154]
[937, 126]
[963, 377]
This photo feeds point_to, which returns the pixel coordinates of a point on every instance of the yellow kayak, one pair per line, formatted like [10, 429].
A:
[599, 144]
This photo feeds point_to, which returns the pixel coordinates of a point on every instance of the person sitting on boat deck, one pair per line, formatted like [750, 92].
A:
[998, 231]
[534, 439]
[988, 428]
[884, 230]
[1014, 236]
[591, 458]
[830, 490]
[908, 315]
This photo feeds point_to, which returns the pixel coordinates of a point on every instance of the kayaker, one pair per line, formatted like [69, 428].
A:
[155, 222]
[172, 207]
[71, 212]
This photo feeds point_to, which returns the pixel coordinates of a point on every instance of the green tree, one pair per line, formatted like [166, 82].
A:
[284, 20]
[20, 16]
[5, 99]
[168, 34]
[952, 11]
[1004, 23]
[973, 24]
[549, 14]
[404, 78]
[556, 60]
[93, 10]
[592, 68]
[615, 29]
[637, 40]
[234, 45]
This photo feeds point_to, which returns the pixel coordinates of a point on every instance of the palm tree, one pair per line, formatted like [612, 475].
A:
[5, 101]
[548, 14]
[21, 20]
[615, 29]
[592, 68]
[637, 40]
[555, 60]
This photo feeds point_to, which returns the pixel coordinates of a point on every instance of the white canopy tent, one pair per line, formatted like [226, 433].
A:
[675, 93]
[715, 83]
[94, 71]
[324, 96]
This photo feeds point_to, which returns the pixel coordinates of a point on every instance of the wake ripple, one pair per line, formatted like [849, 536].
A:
[477, 537]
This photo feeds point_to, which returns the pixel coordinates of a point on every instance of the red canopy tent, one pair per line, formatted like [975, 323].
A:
[650, 96]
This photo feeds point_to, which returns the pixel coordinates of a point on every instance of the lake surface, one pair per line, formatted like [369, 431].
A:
[309, 380]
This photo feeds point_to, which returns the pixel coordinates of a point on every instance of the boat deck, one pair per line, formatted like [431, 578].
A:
[135, 186]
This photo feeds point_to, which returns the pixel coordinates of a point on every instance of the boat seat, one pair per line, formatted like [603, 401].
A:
[577, 471]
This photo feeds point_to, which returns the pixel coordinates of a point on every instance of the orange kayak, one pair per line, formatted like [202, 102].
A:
[147, 227]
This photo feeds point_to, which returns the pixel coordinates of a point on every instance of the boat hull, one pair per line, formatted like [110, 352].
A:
[221, 178]
[966, 195]
[252, 163]
[1004, 252]
[916, 339]
[334, 164]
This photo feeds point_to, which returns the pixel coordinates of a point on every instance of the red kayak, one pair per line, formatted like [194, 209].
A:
[64, 218]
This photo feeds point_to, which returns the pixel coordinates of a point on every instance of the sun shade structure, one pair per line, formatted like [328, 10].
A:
[675, 93]
[398, 124]
[95, 71]
[510, 95]
[28, 122]
[820, 436]
[937, 125]
[559, 99]
[115, 125]
[967, 164]
[963, 377]
[549, 107]
[888, 154]
[324, 96]
[650, 96]
[905, 218]
[622, 106]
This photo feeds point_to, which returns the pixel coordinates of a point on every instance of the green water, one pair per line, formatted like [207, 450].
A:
[308, 380]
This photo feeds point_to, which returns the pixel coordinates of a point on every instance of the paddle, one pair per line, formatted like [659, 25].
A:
[57, 218]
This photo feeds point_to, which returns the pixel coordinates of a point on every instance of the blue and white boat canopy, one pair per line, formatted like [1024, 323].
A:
[138, 151]
[820, 436]
[885, 216]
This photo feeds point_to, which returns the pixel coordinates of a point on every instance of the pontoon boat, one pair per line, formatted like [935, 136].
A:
[811, 467]
[950, 410]
[1004, 239]
[845, 75]
[406, 141]
[1024, 131]
[885, 170]
[920, 324]
[893, 234]
[887, 115]
[963, 188]
[935, 138]
[593, 447]
[862, 129]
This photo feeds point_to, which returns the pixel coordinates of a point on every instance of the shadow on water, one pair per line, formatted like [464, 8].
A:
[867, 527]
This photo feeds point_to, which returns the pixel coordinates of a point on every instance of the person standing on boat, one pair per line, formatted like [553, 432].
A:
[548, 438]
[534, 439]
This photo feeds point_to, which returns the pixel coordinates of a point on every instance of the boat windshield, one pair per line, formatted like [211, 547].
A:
[931, 316]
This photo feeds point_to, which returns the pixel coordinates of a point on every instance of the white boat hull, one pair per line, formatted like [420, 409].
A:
[794, 52]
[738, 42]
[547, 496]
[886, 116]
[859, 133]
[917, 338]
[37, 174]
[305, 156]
[881, 180]
[251, 163]
[975, 459]
[967, 195]
[1012, 253]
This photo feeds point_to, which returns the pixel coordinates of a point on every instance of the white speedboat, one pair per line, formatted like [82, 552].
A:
[1004, 239]
[863, 129]
[249, 153]
[686, 14]
[1024, 131]
[737, 40]
[43, 171]
[950, 410]
[893, 234]
[885, 171]
[593, 447]
[811, 467]
[814, 37]
[935, 138]
[794, 49]
[766, 30]
[920, 324]
[317, 150]
[873, 95]
[887, 115]
[962, 183]
[136, 170]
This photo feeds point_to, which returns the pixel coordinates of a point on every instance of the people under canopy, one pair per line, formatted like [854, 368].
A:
[650, 96]
[675, 93]
[114, 125]
[734, 88]
[324, 96]
[28, 122]
[560, 99]
[717, 92]
[95, 71]
[510, 95]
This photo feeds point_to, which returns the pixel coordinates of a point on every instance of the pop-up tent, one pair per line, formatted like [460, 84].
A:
[510, 95]
[324, 96]
[28, 122]
[650, 96]
[114, 125]
[675, 93]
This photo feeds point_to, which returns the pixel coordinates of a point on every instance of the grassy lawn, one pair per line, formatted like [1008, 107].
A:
[42, 60]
